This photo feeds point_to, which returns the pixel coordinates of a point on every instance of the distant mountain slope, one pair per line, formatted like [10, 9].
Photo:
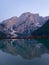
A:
[43, 31]
[10, 22]
[26, 24]
[29, 21]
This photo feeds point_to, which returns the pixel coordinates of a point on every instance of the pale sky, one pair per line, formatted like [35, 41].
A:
[10, 8]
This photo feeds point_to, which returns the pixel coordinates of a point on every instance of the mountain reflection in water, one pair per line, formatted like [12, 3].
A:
[28, 49]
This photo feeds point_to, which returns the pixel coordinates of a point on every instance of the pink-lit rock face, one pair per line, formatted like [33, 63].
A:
[29, 21]
[10, 22]
[26, 22]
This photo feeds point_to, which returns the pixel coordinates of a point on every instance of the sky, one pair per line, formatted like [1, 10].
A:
[10, 8]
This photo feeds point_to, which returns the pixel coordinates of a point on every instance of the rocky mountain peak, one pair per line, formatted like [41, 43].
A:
[26, 22]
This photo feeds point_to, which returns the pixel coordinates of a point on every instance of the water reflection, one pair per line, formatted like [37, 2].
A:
[24, 52]
[26, 48]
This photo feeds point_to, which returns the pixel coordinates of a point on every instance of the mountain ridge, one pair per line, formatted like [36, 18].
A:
[24, 24]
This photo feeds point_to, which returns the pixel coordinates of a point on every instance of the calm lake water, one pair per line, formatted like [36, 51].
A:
[24, 52]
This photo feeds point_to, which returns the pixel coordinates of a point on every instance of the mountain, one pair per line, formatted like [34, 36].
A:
[46, 18]
[28, 21]
[24, 25]
[42, 31]
[10, 22]
[6, 25]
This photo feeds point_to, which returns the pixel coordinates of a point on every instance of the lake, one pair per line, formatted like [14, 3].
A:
[24, 52]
